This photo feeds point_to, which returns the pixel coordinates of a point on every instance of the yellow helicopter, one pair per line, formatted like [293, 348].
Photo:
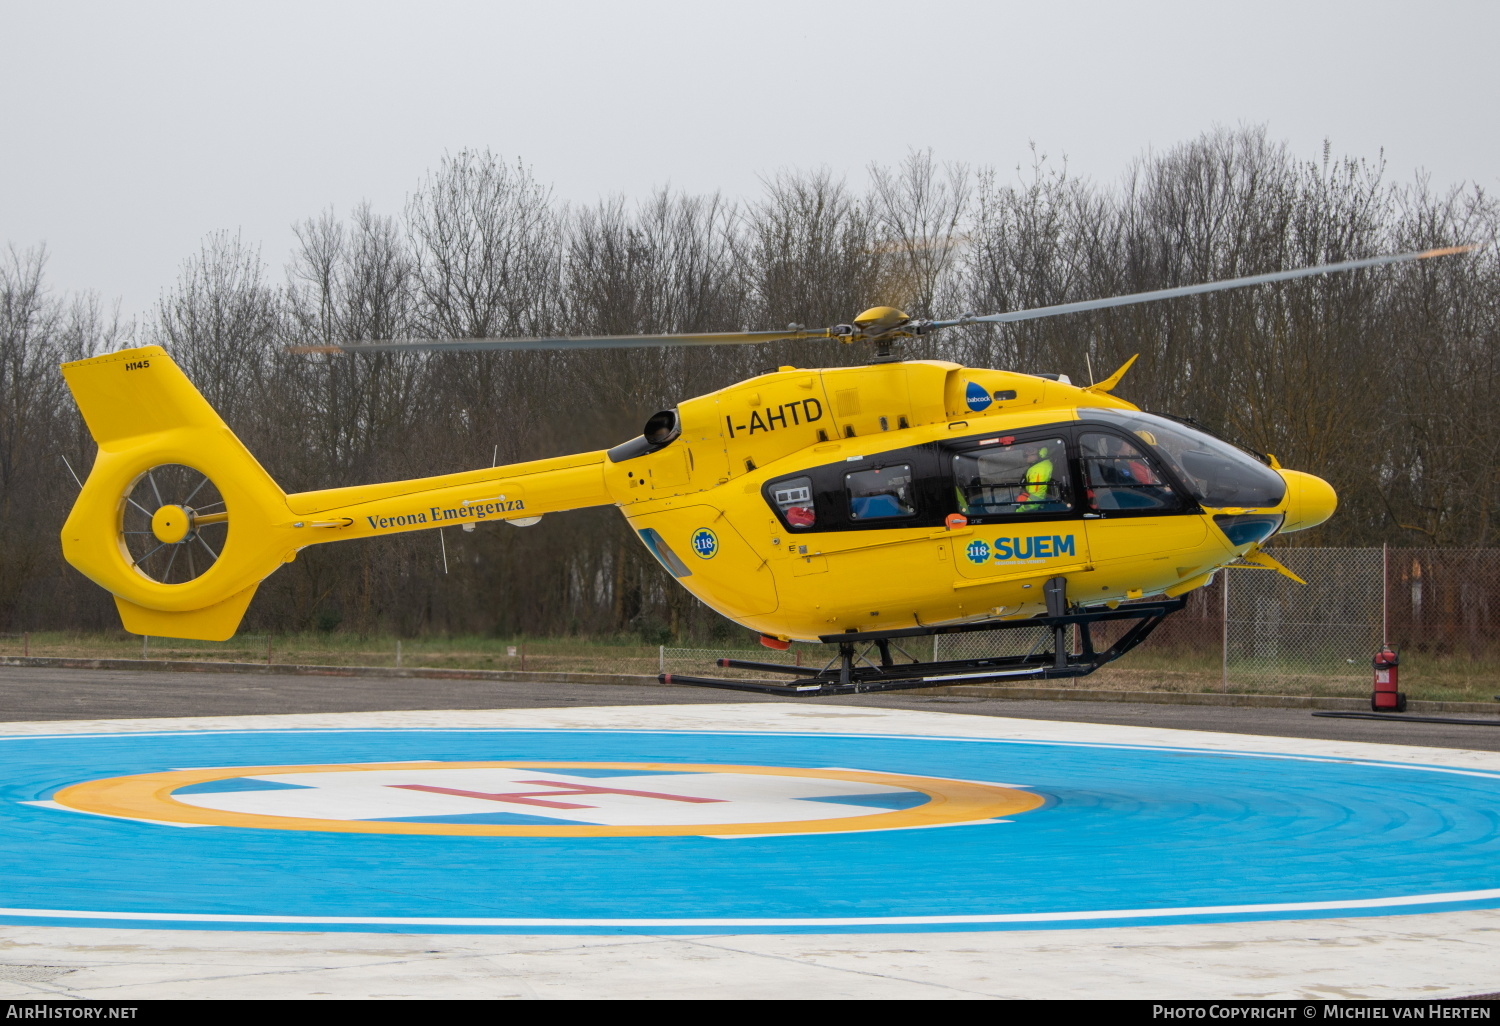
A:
[857, 506]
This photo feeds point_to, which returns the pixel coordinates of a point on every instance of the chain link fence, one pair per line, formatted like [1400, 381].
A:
[1251, 630]
[1434, 605]
[1285, 635]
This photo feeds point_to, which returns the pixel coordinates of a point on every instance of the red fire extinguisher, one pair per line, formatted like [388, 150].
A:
[1386, 697]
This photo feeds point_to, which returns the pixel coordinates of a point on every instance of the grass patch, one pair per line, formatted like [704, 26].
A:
[1430, 676]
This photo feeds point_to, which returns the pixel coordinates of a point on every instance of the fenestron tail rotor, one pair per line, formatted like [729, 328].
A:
[174, 524]
[881, 325]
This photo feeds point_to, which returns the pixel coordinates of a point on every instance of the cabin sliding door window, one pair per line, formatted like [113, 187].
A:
[1013, 479]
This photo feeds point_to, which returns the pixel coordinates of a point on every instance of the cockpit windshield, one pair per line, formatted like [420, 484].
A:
[1218, 473]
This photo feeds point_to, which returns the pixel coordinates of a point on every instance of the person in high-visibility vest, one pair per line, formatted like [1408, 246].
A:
[1038, 484]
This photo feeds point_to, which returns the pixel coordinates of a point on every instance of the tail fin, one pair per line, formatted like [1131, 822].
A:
[145, 414]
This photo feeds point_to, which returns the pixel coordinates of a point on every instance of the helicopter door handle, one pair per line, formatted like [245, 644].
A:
[1093, 516]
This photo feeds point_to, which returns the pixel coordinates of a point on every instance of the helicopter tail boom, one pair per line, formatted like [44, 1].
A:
[180, 522]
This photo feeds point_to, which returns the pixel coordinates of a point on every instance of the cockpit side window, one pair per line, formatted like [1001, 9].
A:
[880, 494]
[1013, 478]
[1218, 474]
[1119, 476]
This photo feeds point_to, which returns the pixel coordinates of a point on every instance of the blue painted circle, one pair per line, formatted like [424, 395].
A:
[1127, 836]
[977, 396]
[705, 543]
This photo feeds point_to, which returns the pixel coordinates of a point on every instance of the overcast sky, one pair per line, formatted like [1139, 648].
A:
[130, 130]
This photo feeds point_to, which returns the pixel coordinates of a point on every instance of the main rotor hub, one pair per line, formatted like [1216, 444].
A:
[171, 524]
[878, 320]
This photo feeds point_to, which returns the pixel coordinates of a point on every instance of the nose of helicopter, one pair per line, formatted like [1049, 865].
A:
[1309, 501]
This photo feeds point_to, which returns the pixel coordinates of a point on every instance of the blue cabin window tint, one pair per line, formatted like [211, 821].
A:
[1249, 528]
[880, 494]
[664, 555]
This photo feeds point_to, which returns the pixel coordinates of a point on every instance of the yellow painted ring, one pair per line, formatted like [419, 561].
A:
[148, 796]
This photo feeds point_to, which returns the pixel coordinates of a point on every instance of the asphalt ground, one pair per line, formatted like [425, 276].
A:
[38, 694]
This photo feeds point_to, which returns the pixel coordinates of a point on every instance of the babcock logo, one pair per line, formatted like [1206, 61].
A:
[977, 396]
[1037, 546]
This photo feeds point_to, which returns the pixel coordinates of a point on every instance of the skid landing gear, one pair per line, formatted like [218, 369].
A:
[855, 672]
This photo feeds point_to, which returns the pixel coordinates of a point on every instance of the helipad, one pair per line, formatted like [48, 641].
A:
[545, 799]
[767, 819]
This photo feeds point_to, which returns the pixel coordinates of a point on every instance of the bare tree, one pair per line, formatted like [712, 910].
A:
[1381, 381]
[220, 323]
[486, 248]
[919, 209]
[41, 435]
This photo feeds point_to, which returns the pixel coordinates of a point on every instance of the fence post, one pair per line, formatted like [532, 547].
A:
[26, 644]
[398, 651]
[145, 644]
[268, 650]
[1385, 594]
[1224, 640]
[661, 658]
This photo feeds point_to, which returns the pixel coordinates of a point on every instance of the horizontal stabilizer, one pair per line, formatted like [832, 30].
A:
[1270, 563]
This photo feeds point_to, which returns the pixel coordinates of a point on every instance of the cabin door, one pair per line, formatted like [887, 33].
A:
[1018, 494]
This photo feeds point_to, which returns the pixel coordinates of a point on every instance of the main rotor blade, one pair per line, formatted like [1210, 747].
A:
[457, 345]
[719, 338]
[1194, 290]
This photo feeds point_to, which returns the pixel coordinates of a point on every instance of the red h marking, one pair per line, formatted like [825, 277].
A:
[534, 797]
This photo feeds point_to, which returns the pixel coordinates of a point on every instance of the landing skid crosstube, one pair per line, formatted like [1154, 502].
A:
[854, 674]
